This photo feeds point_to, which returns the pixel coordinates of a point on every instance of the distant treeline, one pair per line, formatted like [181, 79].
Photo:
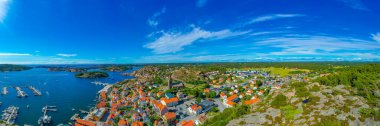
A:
[222, 67]
[10, 67]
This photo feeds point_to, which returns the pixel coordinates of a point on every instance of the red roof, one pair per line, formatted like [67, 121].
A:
[170, 115]
[123, 122]
[81, 122]
[232, 97]
[252, 101]
[137, 123]
[188, 123]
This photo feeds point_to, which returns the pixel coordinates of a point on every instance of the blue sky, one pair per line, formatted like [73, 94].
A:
[147, 31]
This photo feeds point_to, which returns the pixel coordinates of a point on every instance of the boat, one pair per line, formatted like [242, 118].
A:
[5, 91]
[10, 114]
[35, 91]
[21, 93]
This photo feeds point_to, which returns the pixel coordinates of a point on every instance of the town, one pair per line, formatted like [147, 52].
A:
[139, 102]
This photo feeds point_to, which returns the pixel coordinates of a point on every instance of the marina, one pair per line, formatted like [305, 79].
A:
[4, 91]
[10, 114]
[20, 92]
[35, 91]
[46, 119]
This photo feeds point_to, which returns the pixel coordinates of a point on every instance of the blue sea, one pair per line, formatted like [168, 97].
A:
[59, 89]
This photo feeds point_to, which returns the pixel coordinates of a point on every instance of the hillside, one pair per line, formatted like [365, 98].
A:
[10, 67]
[311, 104]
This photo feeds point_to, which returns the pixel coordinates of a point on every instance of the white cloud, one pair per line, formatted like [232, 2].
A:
[4, 6]
[272, 17]
[152, 21]
[315, 45]
[14, 54]
[376, 37]
[201, 3]
[67, 55]
[355, 4]
[170, 42]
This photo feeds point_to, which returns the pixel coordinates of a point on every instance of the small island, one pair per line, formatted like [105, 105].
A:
[10, 67]
[92, 74]
[117, 68]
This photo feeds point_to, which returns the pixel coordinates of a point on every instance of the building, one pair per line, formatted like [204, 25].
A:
[122, 122]
[169, 117]
[206, 105]
[169, 102]
[188, 123]
[195, 109]
[230, 104]
[80, 122]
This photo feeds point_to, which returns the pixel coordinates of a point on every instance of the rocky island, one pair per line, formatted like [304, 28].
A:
[10, 67]
[92, 74]
[116, 68]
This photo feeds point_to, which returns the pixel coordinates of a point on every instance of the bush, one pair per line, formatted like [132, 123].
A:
[279, 101]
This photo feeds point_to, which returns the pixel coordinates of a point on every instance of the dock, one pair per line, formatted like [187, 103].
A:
[46, 119]
[5, 91]
[10, 114]
[84, 112]
[35, 91]
[100, 83]
[105, 89]
[74, 117]
[21, 93]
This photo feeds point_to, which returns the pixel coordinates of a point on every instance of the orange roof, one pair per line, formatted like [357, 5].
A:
[81, 122]
[170, 100]
[123, 122]
[101, 104]
[232, 97]
[222, 94]
[170, 115]
[188, 123]
[137, 123]
[253, 101]
[160, 106]
[207, 90]
[195, 107]
[231, 103]
[103, 95]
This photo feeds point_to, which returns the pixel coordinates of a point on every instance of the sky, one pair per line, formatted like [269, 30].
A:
[177, 31]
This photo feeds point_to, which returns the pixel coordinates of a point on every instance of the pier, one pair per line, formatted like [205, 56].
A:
[5, 91]
[35, 91]
[100, 83]
[46, 119]
[21, 93]
[74, 117]
[10, 114]
[105, 89]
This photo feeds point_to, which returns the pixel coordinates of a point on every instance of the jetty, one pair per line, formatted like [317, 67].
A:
[21, 93]
[46, 119]
[105, 89]
[100, 83]
[74, 117]
[84, 112]
[10, 114]
[5, 91]
[35, 91]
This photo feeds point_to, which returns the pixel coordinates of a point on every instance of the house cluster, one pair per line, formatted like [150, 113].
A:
[139, 104]
[135, 104]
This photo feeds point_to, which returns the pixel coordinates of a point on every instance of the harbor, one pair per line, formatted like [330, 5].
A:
[20, 92]
[10, 114]
[58, 88]
[35, 91]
